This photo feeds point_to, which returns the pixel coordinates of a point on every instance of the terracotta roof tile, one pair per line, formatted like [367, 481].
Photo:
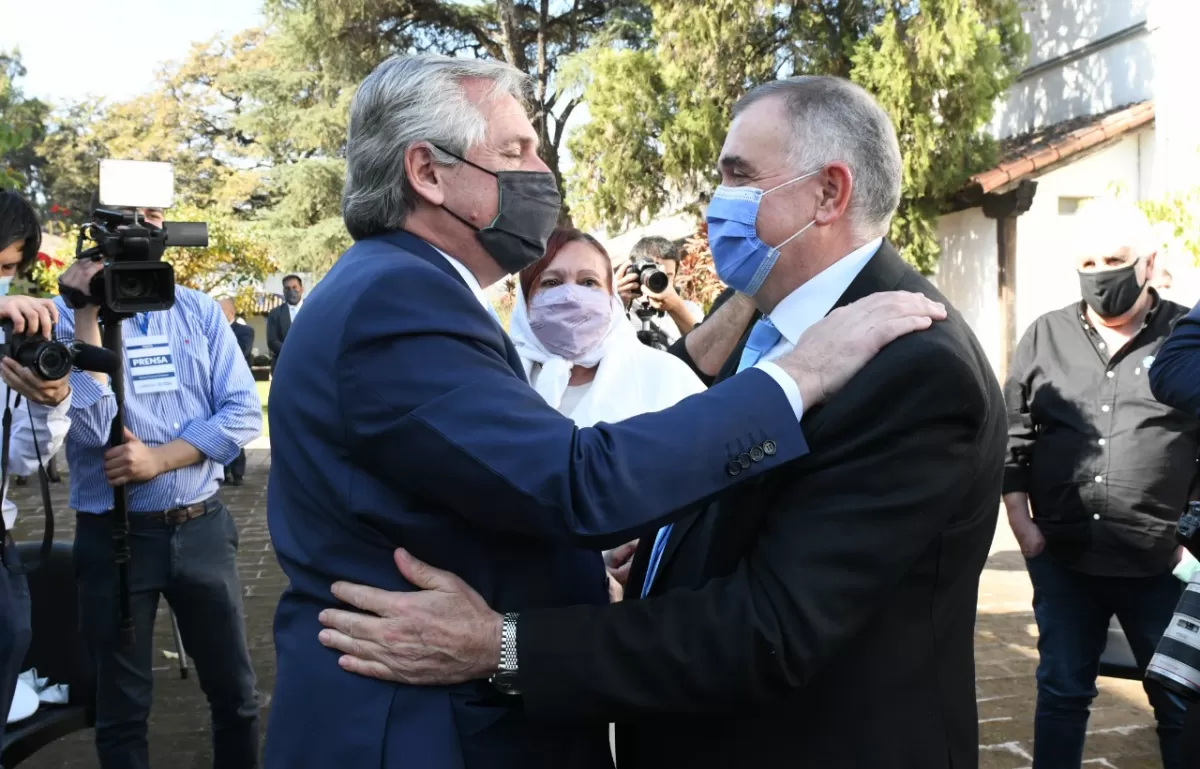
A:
[1026, 154]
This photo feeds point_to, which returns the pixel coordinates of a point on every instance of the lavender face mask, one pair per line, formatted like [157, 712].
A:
[570, 320]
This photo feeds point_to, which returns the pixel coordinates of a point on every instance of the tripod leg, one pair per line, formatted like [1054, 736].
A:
[183, 662]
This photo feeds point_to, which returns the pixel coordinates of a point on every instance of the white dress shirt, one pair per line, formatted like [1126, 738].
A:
[50, 425]
[294, 308]
[471, 281]
[812, 301]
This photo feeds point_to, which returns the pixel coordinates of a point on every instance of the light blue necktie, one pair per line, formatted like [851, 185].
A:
[762, 338]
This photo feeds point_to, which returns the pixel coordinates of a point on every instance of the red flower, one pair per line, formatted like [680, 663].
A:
[56, 262]
[44, 258]
[64, 212]
[54, 209]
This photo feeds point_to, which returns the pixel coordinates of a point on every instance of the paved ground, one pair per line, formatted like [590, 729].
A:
[1121, 737]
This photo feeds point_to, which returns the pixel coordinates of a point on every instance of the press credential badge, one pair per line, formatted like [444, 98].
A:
[151, 364]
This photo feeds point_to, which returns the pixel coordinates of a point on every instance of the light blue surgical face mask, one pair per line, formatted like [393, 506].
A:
[742, 260]
[5, 283]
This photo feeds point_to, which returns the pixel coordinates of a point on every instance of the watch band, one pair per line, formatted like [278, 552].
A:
[508, 643]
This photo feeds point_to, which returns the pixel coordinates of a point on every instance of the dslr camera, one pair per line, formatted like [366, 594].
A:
[49, 359]
[650, 277]
[134, 278]
[1176, 662]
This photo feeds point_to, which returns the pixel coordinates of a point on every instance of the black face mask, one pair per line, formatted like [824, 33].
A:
[1111, 293]
[528, 213]
[291, 296]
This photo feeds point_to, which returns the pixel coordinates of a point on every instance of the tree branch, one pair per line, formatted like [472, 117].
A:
[560, 122]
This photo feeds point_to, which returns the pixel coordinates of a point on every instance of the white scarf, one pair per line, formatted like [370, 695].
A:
[555, 373]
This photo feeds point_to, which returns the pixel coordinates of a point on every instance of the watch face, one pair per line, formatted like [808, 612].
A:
[506, 682]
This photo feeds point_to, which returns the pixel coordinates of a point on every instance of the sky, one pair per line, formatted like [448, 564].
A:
[110, 48]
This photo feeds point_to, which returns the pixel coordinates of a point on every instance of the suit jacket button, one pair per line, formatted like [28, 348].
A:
[757, 454]
[769, 448]
[733, 468]
[743, 460]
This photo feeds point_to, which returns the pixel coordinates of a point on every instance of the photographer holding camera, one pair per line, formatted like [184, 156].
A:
[37, 428]
[647, 295]
[190, 407]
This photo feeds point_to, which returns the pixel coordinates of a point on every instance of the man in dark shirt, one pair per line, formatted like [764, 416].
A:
[1097, 474]
[236, 470]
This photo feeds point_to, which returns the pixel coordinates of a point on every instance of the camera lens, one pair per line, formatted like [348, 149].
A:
[656, 280]
[131, 286]
[52, 361]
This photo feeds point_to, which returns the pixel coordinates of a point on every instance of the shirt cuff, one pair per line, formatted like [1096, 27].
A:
[790, 388]
[210, 441]
[1187, 567]
[85, 391]
[54, 413]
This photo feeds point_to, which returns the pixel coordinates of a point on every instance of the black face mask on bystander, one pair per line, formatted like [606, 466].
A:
[1111, 293]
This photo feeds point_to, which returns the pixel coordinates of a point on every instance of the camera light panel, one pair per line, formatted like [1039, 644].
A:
[136, 184]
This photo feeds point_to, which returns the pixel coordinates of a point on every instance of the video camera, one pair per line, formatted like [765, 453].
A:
[134, 278]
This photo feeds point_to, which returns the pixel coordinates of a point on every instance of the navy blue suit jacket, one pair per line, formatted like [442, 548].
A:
[400, 417]
[1175, 373]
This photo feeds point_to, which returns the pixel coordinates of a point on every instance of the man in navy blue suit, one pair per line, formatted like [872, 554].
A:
[406, 421]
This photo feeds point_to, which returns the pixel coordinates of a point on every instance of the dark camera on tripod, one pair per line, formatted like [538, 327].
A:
[134, 278]
[48, 359]
[650, 276]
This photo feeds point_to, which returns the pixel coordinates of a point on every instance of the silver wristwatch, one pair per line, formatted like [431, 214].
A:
[505, 678]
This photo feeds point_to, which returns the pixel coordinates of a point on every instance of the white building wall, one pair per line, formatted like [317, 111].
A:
[967, 274]
[1046, 254]
[1046, 277]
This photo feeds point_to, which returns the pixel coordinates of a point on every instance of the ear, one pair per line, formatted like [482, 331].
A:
[424, 174]
[1150, 260]
[837, 183]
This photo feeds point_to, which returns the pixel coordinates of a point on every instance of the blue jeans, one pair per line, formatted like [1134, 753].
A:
[15, 632]
[1073, 611]
[194, 566]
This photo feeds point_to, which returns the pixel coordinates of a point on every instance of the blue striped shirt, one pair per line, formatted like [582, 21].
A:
[216, 408]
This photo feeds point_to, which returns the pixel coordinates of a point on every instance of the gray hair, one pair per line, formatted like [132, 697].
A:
[1105, 226]
[834, 120]
[405, 100]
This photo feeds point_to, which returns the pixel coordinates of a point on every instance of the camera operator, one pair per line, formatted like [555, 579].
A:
[678, 314]
[42, 420]
[181, 430]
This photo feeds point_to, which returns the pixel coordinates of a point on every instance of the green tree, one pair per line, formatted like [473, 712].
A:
[936, 66]
[297, 83]
[22, 128]
[236, 258]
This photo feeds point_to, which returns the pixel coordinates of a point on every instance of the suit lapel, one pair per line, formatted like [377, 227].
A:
[422, 250]
[285, 322]
[683, 527]
[882, 273]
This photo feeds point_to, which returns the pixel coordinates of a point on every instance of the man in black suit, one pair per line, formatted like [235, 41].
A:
[279, 321]
[823, 614]
[236, 470]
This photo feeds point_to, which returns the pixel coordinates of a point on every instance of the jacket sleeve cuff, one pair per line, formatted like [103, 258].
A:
[787, 384]
[1016, 480]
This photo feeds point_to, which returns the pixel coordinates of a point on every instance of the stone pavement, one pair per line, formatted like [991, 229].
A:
[1121, 730]
[1121, 736]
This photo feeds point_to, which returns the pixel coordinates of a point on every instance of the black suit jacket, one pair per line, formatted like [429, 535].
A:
[279, 321]
[245, 338]
[822, 615]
